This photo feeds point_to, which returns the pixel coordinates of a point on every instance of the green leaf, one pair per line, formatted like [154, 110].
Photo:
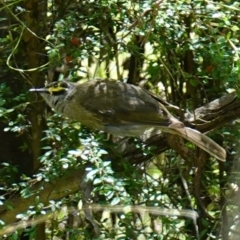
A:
[115, 201]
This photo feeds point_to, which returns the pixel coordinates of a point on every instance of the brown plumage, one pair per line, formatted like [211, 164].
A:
[120, 109]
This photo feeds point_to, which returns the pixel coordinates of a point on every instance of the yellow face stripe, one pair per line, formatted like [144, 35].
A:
[56, 89]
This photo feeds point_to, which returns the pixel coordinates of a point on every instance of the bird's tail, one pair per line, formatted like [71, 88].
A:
[202, 141]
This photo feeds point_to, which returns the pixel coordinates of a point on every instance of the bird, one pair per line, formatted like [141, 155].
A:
[120, 109]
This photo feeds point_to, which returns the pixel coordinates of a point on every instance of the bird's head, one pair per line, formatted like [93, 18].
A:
[55, 92]
[54, 88]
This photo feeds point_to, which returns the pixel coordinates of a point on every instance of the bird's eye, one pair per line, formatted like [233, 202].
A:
[57, 88]
[63, 85]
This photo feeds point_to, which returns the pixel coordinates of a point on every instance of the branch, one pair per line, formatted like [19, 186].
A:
[215, 114]
[66, 185]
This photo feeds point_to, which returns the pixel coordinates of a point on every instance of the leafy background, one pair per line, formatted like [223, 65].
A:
[185, 51]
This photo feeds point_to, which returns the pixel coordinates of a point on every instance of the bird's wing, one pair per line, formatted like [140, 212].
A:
[117, 102]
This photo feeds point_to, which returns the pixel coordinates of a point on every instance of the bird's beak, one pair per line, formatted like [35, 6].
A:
[39, 90]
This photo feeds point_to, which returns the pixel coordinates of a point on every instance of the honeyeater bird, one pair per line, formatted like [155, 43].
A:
[120, 109]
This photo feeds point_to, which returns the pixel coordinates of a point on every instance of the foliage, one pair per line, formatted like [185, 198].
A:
[185, 51]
